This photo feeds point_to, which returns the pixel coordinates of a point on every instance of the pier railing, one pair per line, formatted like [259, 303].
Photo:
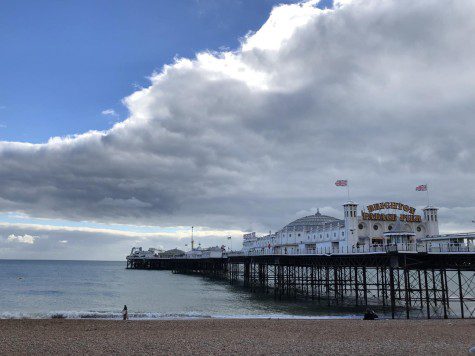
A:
[439, 248]
[365, 249]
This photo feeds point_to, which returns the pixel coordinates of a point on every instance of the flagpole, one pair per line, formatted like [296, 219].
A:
[348, 190]
[427, 190]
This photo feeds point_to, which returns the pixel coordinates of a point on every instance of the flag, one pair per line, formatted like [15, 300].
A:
[341, 183]
[421, 188]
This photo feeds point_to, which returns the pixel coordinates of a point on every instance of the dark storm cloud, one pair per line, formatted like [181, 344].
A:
[379, 92]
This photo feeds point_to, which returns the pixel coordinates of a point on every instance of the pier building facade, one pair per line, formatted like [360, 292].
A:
[384, 223]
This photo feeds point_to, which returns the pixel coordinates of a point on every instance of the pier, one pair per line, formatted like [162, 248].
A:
[405, 283]
[388, 258]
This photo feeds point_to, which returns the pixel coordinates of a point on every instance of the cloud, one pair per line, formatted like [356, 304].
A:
[176, 232]
[71, 242]
[109, 112]
[378, 92]
[24, 239]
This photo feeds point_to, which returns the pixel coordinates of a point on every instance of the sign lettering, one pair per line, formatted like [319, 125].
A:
[374, 213]
[391, 205]
[390, 217]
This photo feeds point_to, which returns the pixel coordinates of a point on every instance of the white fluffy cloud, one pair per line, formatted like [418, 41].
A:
[24, 239]
[378, 92]
[109, 112]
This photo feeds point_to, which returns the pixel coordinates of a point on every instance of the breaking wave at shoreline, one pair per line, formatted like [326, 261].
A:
[108, 315]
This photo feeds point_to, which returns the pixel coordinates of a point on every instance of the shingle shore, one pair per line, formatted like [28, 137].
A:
[232, 336]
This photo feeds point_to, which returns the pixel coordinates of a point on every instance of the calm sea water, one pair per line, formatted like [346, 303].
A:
[84, 289]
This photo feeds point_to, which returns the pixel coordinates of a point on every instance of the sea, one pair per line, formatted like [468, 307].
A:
[99, 290]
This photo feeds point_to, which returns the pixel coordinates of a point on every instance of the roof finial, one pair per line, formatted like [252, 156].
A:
[318, 211]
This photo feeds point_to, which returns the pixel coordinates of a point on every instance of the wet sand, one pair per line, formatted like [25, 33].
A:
[215, 336]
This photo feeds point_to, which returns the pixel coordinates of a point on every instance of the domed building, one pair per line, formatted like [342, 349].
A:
[320, 233]
[311, 221]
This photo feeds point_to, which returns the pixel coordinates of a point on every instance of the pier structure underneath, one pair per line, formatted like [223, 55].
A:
[405, 285]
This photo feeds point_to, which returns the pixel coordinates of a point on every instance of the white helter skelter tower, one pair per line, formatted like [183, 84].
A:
[351, 223]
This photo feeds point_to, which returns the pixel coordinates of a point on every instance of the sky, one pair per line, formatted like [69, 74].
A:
[66, 65]
[124, 123]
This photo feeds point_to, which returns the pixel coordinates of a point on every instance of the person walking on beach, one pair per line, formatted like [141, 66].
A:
[125, 313]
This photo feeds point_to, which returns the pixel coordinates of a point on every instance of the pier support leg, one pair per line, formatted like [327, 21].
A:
[247, 272]
[392, 293]
[460, 293]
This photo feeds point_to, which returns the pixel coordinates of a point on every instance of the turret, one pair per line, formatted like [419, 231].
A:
[430, 216]
[351, 222]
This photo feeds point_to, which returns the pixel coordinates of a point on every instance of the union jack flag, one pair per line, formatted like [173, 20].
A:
[341, 183]
[421, 188]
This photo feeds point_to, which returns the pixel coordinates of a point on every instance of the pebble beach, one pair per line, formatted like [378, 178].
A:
[237, 336]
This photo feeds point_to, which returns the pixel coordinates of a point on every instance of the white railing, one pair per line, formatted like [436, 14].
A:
[233, 253]
[407, 248]
[436, 248]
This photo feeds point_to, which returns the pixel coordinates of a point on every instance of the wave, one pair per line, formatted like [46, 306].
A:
[108, 315]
